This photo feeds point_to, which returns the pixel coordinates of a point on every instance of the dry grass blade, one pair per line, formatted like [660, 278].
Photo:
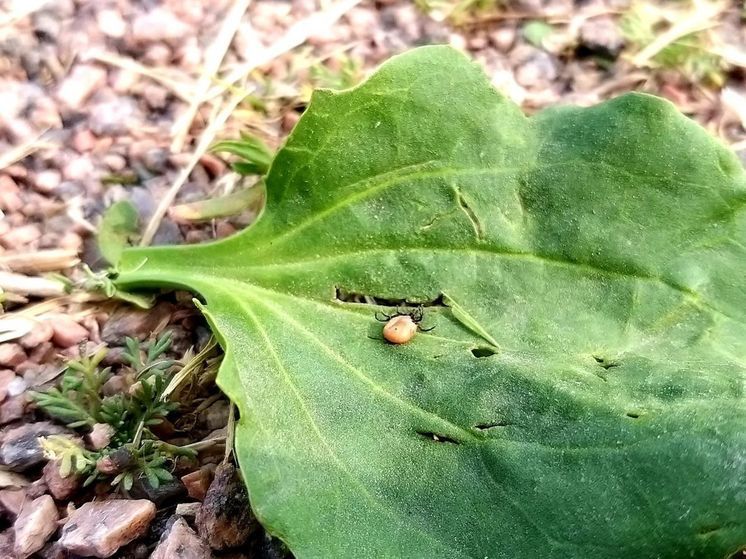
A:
[181, 89]
[223, 206]
[214, 56]
[703, 17]
[31, 285]
[25, 149]
[39, 261]
[192, 365]
[19, 10]
[57, 304]
[296, 35]
[14, 327]
[207, 137]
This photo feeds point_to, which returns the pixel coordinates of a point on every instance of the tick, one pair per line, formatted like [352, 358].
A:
[401, 326]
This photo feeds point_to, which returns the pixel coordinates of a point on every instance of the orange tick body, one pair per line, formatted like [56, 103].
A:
[399, 329]
[402, 326]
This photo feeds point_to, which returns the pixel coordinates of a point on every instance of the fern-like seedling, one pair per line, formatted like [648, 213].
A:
[77, 401]
[133, 451]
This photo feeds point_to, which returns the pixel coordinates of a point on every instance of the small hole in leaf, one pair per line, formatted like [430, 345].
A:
[492, 425]
[605, 363]
[483, 351]
[344, 296]
[436, 437]
[632, 415]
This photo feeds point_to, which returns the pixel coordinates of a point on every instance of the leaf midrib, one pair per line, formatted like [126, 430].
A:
[690, 295]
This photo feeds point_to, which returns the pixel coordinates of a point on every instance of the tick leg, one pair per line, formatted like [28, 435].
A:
[427, 329]
[385, 318]
[417, 314]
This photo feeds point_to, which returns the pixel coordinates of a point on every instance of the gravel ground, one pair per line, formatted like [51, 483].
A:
[96, 99]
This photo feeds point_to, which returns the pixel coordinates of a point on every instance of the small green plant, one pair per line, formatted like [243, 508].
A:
[692, 55]
[253, 154]
[347, 73]
[133, 450]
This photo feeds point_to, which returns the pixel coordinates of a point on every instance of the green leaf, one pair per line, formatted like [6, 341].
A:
[127, 481]
[255, 156]
[152, 478]
[222, 206]
[603, 250]
[118, 225]
[163, 475]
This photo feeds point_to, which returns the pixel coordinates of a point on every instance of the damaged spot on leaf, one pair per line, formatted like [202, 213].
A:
[605, 363]
[483, 351]
[491, 425]
[344, 296]
[470, 213]
[438, 438]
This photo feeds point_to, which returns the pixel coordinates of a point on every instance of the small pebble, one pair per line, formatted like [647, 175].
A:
[67, 332]
[216, 416]
[21, 237]
[83, 141]
[225, 520]
[111, 23]
[113, 117]
[159, 24]
[41, 332]
[7, 376]
[13, 409]
[100, 528]
[20, 449]
[100, 435]
[42, 353]
[80, 84]
[61, 488]
[503, 37]
[11, 501]
[181, 542]
[198, 482]
[601, 36]
[538, 71]
[10, 195]
[16, 387]
[34, 526]
[47, 181]
[78, 168]
[11, 355]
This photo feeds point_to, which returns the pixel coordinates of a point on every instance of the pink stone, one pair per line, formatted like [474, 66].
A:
[34, 526]
[67, 332]
[100, 528]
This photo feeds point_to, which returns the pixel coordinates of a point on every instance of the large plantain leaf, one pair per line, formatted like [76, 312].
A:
[582, 393]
